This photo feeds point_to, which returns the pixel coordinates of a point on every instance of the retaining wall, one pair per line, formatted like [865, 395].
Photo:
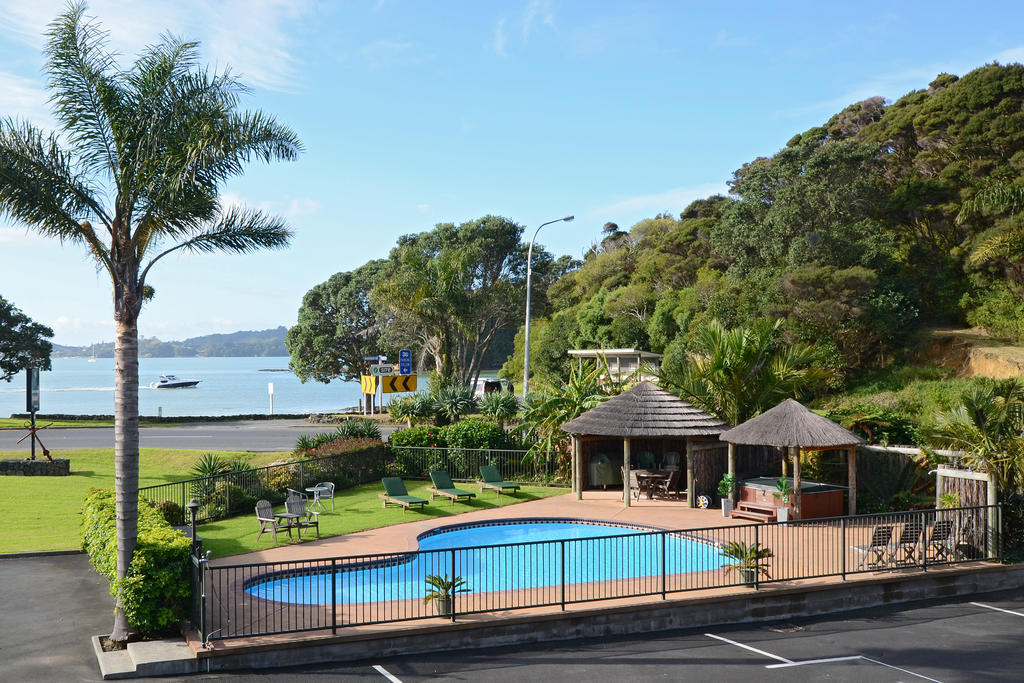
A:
[58, 467]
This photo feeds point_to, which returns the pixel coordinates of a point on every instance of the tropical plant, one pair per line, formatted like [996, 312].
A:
[949, 500]
[403, 409]
[157, 140]
[996, 198]
[499, 406]
[783, 490]
[550, 407]
[443, 586]
[209, 465]
[305, 442]
[454, 401]
[424, 405]
[741, 372]
[747, 556]
[360, 428]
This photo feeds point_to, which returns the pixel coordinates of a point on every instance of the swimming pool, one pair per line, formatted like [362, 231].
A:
[499, 556]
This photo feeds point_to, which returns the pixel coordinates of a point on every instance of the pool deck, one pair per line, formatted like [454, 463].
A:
[595, 506]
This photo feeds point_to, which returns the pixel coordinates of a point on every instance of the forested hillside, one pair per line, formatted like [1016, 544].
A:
[248, 343]
[854, 234]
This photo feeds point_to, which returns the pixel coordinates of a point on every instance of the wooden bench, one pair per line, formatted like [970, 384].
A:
[757, 511]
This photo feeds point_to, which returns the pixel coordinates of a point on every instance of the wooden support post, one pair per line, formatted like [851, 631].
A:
[851, 480]
[625, 472]
[577, 456]
[785, 454]
[691, 495]
[795, 450]
[732, 468]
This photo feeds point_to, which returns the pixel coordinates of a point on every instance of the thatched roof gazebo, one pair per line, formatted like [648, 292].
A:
[792, 426]
[645, 411]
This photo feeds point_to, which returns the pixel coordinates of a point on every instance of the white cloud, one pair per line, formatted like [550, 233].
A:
[500, 38]
[17, 237]
[302, 206]
[385, 53]
[537, 11]
[423, 208]
[673, 201]
[254, 38]
[1013, 54]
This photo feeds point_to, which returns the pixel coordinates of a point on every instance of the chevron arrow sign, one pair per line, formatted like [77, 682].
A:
[398, 383]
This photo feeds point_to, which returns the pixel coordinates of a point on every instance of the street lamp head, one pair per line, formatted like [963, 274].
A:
[569, 218]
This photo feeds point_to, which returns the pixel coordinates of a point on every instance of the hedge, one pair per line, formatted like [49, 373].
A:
[156, 592]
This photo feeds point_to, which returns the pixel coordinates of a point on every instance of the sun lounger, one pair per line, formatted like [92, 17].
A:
[941, 543]
[878, 553]
[443, 486]
[396, 494]
[909, 544]
[492, 480]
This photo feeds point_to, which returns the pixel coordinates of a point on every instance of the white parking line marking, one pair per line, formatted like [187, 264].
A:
[999, 609]
[813, 661]
[847, 659]
[386, 674]
[747, 647]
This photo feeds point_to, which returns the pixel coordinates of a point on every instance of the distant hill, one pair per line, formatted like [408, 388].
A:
[247, 343]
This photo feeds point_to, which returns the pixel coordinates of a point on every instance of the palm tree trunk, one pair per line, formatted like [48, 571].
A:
[126, 453]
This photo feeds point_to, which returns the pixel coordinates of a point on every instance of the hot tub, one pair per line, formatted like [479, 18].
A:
[817, 500]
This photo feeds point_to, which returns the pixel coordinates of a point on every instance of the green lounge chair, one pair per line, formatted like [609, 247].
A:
[492, 480]
[395, 493]
[443, 486]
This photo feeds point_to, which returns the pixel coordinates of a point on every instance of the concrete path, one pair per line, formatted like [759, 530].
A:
[52, 605]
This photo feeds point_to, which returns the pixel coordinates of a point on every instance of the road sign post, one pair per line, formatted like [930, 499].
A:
[270, 390]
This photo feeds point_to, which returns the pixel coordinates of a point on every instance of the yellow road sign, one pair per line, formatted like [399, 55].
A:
[368, 384]
[398, 383]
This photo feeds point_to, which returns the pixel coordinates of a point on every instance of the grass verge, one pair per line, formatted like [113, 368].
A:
[44, 513]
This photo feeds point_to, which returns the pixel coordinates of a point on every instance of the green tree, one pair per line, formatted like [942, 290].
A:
[157, 140]
[739, 373]
[23, 343]
[338, 325]
[500, 406]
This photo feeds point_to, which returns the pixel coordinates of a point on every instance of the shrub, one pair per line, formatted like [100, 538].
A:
[155, 592]
[359, 428]
[172, 512]
[475, 434]
[425, 436]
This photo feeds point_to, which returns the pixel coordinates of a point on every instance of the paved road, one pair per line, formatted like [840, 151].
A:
[258, 435]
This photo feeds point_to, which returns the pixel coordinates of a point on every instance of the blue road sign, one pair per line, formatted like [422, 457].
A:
[380, 359]
[405, 362]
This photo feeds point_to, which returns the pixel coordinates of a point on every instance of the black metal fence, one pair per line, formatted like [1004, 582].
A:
[242, 600]
[237, 491]
[417, 462]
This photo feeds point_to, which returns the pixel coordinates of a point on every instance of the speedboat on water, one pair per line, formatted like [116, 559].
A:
[172, 382]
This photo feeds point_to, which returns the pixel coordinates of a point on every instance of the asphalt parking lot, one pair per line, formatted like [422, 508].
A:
[980, 638]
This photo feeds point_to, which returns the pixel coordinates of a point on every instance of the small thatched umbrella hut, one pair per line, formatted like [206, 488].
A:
[644, 412]
[792, 426]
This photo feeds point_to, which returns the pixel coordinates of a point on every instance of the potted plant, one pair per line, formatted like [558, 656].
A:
[442, 589]
[783, 493]
[725, 488]
[749, 560]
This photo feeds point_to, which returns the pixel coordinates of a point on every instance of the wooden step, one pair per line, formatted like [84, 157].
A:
[752, 514]
[756, 507]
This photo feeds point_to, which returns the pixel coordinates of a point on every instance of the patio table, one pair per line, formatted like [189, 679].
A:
[646, 477]
[316, 491]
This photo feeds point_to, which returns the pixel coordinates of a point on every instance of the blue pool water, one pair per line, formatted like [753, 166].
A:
[592, 552]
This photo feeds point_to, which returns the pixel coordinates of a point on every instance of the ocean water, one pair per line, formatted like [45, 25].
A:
[228, 386]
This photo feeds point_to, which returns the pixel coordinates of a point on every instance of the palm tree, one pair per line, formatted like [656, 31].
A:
[741, 372]
[999, 198]
[499, 406]
[134, 176]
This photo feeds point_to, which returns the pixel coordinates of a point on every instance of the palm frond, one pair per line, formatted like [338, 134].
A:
[87, 99]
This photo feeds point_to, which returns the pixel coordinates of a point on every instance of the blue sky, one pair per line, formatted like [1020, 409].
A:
[415, 113]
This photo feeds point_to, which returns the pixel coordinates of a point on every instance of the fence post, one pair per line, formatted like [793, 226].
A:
[664, 564]
[334, 597]
[561, 553]
[182, 502]
[454, 593]
[757, 570]
[842, 546]
[924, 540]
[999, 532]
[202, 599]
[227, 494]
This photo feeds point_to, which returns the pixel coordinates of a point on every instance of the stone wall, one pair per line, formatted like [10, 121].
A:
[35, 468]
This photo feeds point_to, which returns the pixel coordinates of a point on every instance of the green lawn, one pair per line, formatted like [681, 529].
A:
[355, 510]
[43, 513]
[21, 423]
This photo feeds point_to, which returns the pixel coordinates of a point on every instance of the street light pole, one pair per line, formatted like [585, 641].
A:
[529, 272]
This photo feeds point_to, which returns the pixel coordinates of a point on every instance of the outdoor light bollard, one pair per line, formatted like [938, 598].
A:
[193, 509]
